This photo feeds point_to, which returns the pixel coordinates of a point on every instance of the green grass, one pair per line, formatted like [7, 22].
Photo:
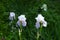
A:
[30, 9]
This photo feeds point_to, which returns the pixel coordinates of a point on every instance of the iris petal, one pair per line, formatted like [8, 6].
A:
[44, 23]
[37, 25]
[24, 23]
[18, 23]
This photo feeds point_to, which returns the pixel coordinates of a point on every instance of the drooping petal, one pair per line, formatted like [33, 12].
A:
[18, 23]
[11, 18]
[24, 23]
[45, 9]
[37, 25]
[44, 24]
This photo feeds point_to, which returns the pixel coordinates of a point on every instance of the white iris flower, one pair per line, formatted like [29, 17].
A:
[40, 21]
[44, 7]
[12, 16]
[21, 20]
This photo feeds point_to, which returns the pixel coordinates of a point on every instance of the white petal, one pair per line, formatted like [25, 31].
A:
[37, 25]
[12, 14]
[44, 23]
[24, 23]
[39, 18]
[45, 9]
[22, 18]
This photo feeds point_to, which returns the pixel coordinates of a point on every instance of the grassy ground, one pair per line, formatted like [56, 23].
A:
[30, 9]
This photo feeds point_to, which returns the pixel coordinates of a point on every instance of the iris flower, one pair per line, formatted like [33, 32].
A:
[12, 16]
[21, 20]
[40, 21]
[44, 7]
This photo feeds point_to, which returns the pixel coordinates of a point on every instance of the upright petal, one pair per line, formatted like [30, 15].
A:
[22, 18]
[12, 14]
[39, 18]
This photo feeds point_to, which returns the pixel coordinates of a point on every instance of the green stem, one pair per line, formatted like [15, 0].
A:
[40, 29]
[20, 32]
[39, 33]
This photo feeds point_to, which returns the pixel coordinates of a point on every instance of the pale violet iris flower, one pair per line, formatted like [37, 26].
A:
[21, 20]
[12, 16]
[44, 7]
[40, 21]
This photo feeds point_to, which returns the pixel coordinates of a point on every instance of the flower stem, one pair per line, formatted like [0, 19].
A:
[39, 32]
[37, 35]
[20, 32]
[40, 29]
